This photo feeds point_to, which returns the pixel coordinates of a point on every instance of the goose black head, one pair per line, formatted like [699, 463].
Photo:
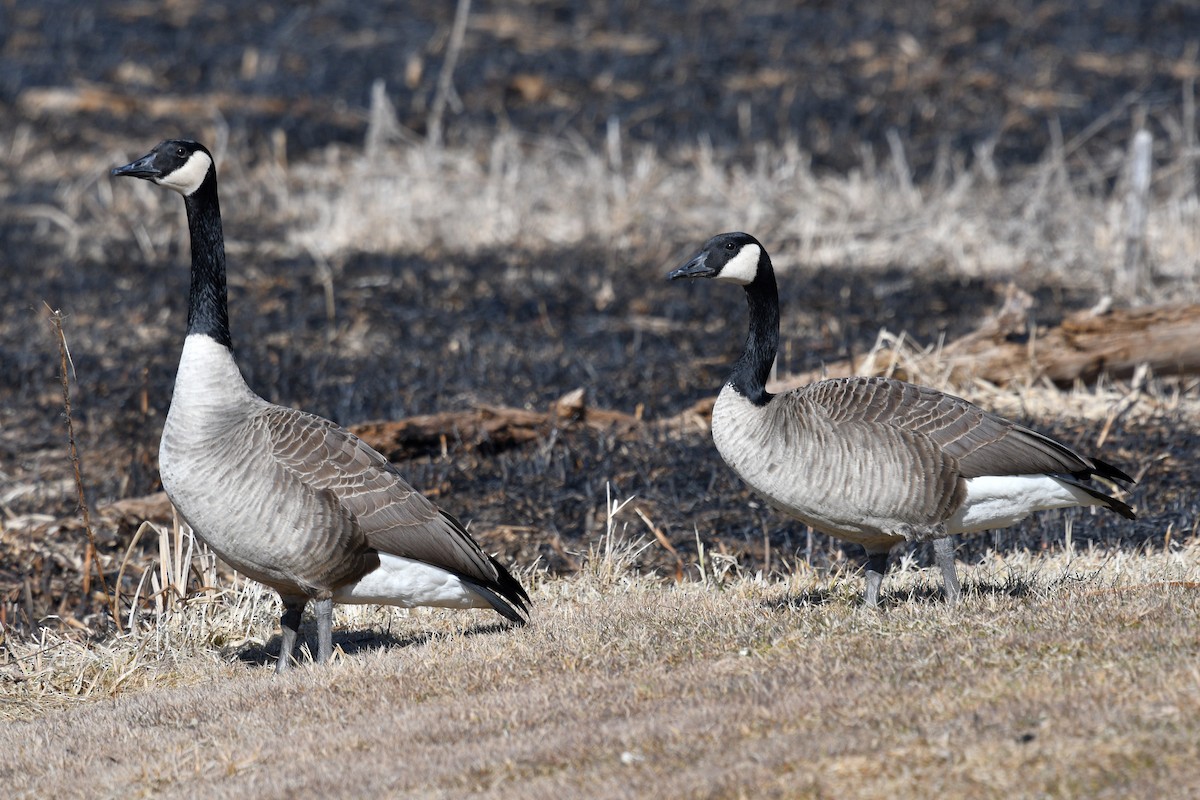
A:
[178, 164]
[731, 257]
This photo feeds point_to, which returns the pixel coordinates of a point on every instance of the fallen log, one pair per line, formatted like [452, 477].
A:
[1007, 348]
[488, 428]
[1085, 345]
[1001, 351]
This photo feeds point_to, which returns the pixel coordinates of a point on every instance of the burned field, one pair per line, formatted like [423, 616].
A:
[379, 336]
[414, 337]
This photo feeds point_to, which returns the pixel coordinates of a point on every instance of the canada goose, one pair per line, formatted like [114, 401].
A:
[873, 460]
[288, 498]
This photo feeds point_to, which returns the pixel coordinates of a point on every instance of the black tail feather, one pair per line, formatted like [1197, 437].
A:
[1108, 501]
[510, 589]
[505, 595]
[1102, 469]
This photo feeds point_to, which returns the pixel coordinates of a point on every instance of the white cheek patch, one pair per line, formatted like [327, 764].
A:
[188, 178]
[742, 269]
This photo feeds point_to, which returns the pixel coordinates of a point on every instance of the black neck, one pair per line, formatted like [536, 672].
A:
[752, 369]
[208, 309]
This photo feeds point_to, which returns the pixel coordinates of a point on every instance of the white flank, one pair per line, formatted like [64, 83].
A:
[405, 582]
[995, 501]
[742, 269]
[188, 178]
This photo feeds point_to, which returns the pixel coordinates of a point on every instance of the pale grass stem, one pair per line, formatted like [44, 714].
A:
[1137, 273]
[662, 539]
[616, 555]
[445, 84]
[180, 557]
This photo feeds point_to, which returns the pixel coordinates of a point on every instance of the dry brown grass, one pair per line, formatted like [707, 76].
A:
[1033, 224]
[1067, 675]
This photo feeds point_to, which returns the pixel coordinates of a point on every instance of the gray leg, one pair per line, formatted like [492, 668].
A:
[289, 624]
[876, 566]
[324, 611]
[943, 553]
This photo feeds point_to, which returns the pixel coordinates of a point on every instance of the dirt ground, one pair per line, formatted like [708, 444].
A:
[523, 326]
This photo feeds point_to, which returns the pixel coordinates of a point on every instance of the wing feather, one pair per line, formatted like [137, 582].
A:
[360, 485]
[981, 442]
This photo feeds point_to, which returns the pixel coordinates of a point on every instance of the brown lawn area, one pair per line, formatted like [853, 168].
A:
[1059, 676]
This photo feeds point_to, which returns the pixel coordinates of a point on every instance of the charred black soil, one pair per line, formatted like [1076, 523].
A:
[413, 334]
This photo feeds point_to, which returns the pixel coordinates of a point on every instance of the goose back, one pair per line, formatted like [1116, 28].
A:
[981, 442]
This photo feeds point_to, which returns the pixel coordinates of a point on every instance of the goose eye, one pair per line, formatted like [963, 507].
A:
[180, 152]
[729, 246]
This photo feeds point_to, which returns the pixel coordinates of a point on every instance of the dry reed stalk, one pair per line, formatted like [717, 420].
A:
[90, 557]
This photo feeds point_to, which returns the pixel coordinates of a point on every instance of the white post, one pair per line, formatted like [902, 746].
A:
[1136, 212]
